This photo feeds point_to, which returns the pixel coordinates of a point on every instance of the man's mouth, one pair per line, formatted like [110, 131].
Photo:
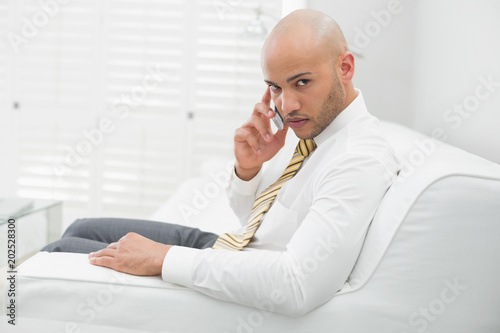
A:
[296, 122]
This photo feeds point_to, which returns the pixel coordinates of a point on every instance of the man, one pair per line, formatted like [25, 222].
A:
[301, 237]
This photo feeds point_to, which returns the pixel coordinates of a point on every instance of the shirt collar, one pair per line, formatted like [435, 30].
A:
[356, 109]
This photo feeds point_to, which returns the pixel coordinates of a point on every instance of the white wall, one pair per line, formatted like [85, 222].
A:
[427, 58]
[458, 49]
[383, 32]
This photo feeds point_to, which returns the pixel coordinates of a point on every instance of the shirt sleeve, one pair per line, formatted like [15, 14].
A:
[241, 195]
[318, 258]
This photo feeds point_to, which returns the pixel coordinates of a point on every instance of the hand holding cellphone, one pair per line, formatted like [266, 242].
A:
[278, 120]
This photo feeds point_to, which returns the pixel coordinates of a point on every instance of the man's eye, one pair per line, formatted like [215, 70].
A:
[302, 82]
[273, 87]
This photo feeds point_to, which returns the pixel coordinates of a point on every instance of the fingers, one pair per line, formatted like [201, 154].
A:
[255, 142]
[106, 257]
[258, 127]
[262, 115]
[244, 134]
[111, 248]
[103, 261]
[266, 99]
[133, 254]
[107, 252]
[263, 127]
[281, 135]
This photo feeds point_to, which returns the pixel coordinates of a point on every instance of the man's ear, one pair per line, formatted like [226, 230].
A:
[346, 60]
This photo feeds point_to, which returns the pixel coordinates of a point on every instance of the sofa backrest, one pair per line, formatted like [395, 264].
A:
[437, 228]
[446, 178]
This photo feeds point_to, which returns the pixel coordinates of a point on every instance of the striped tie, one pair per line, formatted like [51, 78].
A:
[264, 201]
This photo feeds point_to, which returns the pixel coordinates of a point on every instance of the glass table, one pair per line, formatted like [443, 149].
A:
[37, 222]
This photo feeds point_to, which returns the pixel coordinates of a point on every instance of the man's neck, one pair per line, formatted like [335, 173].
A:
[351, 95]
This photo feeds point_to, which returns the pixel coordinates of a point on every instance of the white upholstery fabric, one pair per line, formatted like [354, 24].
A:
[429, 264]
[201, 202]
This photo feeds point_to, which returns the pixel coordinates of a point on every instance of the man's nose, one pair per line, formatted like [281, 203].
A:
[289, 103]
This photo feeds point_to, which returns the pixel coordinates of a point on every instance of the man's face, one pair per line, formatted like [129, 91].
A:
[305, 85]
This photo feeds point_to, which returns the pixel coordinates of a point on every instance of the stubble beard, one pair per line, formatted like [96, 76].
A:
[331, 108]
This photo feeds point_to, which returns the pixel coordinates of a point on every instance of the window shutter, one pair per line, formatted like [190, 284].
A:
[144, 84]
[5, 58]
[6, 149]
[228, 80]
[121, 100]
[55, 87]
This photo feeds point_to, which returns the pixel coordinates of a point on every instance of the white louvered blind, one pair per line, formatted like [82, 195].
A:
[144, 52]
[56, 90]
[120, 100]
[6, 149]
[227, 78]
[4, 56]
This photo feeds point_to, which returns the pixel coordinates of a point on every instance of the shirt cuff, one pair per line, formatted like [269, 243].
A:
[244, 187]
[178, 265]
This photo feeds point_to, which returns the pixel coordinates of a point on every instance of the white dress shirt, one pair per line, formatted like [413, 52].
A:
[309, 240]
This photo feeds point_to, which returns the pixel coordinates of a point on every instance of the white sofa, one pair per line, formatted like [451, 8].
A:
[430, 263]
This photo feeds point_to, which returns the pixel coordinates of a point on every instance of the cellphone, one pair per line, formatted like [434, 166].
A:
[278, 120]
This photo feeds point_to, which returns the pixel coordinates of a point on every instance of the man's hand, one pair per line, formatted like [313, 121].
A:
[133, 254]
[254, 142]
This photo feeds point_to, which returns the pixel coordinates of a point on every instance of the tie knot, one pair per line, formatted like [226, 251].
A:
[306, 146]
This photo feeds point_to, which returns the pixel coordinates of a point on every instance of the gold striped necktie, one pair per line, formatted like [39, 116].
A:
[264, 201]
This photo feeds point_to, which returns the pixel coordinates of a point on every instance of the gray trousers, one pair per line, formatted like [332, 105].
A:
[90, 235]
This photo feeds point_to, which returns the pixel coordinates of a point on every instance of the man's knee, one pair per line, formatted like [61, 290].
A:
[79, 228]
[62, 245]
[74, 245]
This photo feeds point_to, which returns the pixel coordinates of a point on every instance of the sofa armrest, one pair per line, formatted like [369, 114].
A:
[65, 287]
[59, 290]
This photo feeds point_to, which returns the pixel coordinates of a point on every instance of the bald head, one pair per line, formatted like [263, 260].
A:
[310, 28]
[306, 64]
